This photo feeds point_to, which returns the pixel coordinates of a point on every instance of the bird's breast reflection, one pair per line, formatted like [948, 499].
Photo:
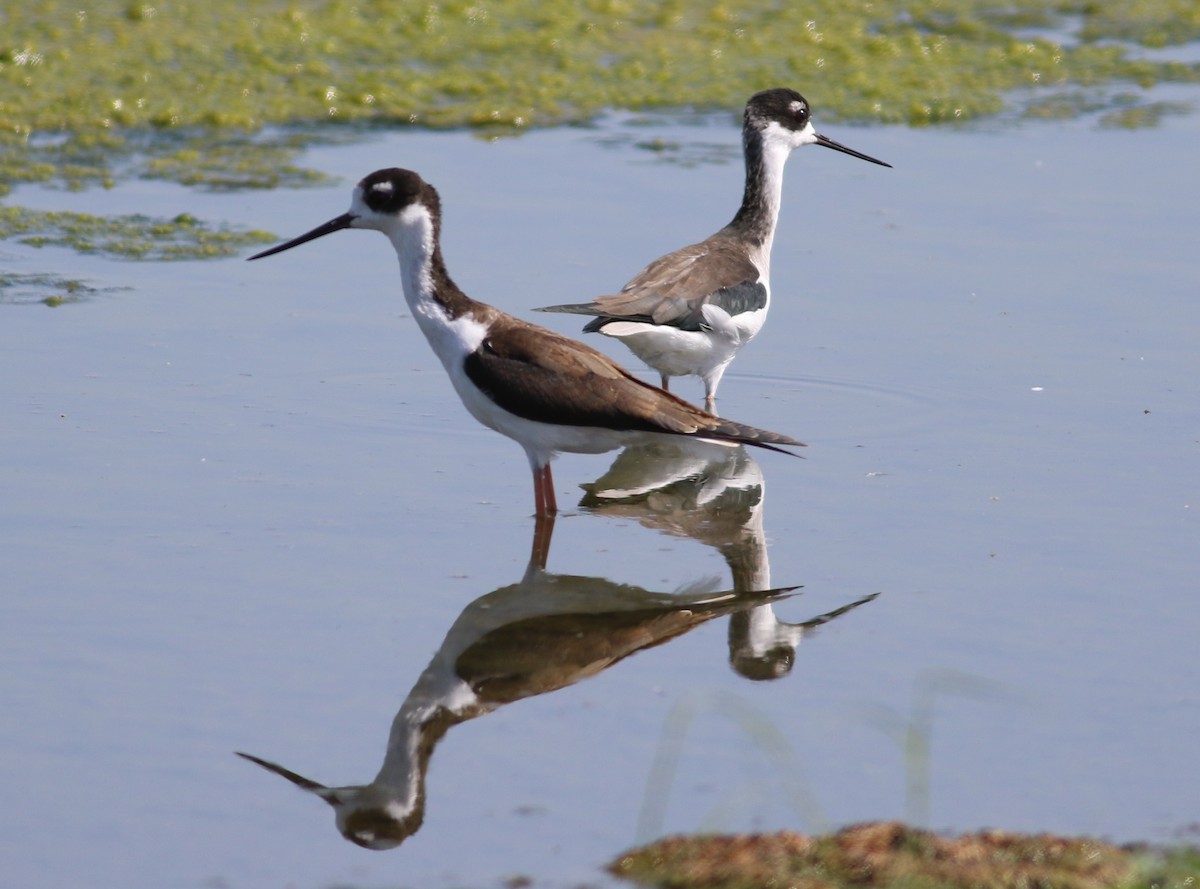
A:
[549, 630]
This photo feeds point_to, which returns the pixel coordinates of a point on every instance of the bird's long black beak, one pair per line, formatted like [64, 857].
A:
[821, 140]
[333, 225]
[299, 780]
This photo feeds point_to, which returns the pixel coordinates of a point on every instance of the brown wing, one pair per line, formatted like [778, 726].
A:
[672, 289]
[543, 376]
[692, 273]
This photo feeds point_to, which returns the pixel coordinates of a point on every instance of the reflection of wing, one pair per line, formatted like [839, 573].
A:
[672, 289]
[534, 655]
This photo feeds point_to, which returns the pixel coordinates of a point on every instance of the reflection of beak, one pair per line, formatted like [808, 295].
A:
[821, 140]
[333, 225]
[300, 781]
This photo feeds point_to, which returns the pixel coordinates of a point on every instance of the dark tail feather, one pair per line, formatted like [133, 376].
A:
[779, 450]
[570, 309]
[727, 430]
[600, 319]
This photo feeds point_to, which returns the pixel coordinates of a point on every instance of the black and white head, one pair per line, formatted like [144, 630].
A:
[782, 117]
[366, 815]
[391, 197]
[392, 201]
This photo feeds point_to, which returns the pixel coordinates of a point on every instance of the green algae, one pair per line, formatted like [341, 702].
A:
[121, 65]
[1140, 116]
[223, 96]
[126, 237]
[201, 158]
[49, 290]
[219, 161]
[99, 76]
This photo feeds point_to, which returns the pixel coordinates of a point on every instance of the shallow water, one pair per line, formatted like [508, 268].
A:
[243, 510]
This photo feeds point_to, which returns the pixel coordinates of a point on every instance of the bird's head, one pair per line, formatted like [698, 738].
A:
[392, 201]
[783, 116]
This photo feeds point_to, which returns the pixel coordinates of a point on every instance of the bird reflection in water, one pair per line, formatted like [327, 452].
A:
[544, 633]
[713, 494]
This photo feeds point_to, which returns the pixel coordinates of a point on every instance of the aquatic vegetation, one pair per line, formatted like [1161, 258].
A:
[49, 290]
[128, 237]
[125, 237]
[203, 158]
[120, 65]
[1141, 115]
[219, 161]
[890, 854]
[224, 95]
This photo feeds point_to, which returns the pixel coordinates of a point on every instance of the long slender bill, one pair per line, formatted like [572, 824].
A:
[821, 140]
[333, 225]
[298, 780]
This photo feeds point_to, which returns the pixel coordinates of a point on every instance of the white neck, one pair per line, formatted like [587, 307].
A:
[413, 239]
[413, 235]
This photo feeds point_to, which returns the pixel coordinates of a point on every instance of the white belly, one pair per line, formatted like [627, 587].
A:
[678, 353]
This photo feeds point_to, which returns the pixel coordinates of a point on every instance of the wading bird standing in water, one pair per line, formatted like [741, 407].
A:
[547, 392]
[689, 312]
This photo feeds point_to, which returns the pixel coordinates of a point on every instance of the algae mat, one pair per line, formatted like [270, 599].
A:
[120, 65]
[223, 95]
[526, 62]
[891, 855]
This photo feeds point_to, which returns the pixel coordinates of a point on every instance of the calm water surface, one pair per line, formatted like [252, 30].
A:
[244, 511]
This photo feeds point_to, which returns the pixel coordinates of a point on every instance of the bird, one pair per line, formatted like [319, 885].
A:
[549, 393]
[689, 312]
[546, 632]
[716, 497]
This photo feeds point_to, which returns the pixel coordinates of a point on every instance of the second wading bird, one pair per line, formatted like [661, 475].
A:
[689, 312]
[547, 392]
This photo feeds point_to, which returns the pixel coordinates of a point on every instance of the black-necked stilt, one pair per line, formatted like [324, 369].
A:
[544, 633]
[548, 392]
[689, 312]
